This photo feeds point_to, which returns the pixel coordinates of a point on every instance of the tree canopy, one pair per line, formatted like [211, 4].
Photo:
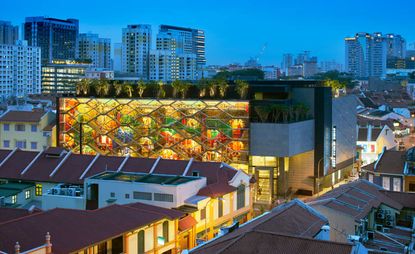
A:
[245, 74]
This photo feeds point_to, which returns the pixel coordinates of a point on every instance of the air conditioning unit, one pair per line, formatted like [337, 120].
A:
[389, 223]
[354, 238]
[380, 216]
[54, 191]
[378, 227]
[370, 235]
[389, 217]
[386, 230]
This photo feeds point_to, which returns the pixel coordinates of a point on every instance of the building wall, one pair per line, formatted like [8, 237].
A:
[341, 225]
[50, 201]
[37, 137]
[62, 76]
[8, 33]
[301, 171]
[98, 50]
[395, 183]
[281, 140]
[20, 69]
[345, 121]
[120, 189]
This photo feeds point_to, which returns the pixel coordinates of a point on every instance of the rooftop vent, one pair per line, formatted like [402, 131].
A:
[54, 152]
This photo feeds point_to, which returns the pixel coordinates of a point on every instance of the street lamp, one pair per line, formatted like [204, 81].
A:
[211, 199]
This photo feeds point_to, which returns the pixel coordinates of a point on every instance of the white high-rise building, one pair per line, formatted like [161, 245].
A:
[20, 70]
[175, 55]
[184, 43]
[98, 50]
[396, 46]
[136, 44]
[366, 55]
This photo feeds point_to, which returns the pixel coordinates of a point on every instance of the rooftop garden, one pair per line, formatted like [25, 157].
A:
[209, 89]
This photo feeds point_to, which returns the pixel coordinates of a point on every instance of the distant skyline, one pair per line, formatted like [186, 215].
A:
[236, 30]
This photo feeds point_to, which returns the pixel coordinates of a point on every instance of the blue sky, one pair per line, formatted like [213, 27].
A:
[236, 30]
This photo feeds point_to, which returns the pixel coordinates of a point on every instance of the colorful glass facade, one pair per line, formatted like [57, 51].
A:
[208, 130]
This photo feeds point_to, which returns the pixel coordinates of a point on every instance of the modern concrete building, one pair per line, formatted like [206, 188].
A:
[254, 132]
[136, 45]
[366, 55]
[9, 34]
[57, 38]
[60, 77]
[20, 73]
[27, 130]
[287, 61]
[396, 46]
[98, 50]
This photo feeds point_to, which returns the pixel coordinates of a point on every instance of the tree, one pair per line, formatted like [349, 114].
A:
[285, 110]
[263, 112]
[128, 88]
[212, 88]
[276, 110]
[202, 85]
[251, 74]
[102, 87]
[223, 86]
[241, 88]
[335, 85]
[118, 87]
[141, 86]
[160, 89]
[83, 86]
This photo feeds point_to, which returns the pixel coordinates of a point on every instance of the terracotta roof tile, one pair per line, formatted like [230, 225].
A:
[22, 116]
[72, 230]
[187, 223]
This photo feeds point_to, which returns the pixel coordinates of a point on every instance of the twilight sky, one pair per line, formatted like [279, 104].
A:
[236, 29]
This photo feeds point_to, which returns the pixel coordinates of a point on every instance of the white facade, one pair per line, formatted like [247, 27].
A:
[136, 44]
[125, 192]
[20, 70]
[175, 58]
[98, 50]
[99, 74]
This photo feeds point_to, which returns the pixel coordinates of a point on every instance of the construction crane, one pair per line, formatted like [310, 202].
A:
[261, 52]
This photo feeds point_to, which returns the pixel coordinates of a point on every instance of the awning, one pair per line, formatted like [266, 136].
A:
[187, 223]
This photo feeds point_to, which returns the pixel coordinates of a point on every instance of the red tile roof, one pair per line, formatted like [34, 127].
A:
[138, 165]
[8, 214]
[407, 199]
[390, 162]
[293, 218]
[22, 116]
[187, 223]
[16, 164]
[348, 199]
[73, 230]
[171, 167]
[270, 242]
[215, 190]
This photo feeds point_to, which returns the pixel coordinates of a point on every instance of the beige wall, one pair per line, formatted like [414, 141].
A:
[301, 171]
[41, 141]
[341, 225]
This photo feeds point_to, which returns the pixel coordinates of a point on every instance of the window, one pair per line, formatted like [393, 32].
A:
[386, 181]
[33, 145]
[370, 178]
[140, 242]
[38, 189]
[166, 231]
[412, 187]
[220, 207]
[6, 127]
[163, 197]
[195, 173]
[33, 128]
[19, 127]
[14, 199]
[127, 195]
[27, 194]
[21, 144]
[112, 194]
[396, 184]
[6, 143]
[203, 214]
[240, 197]
[142, 195]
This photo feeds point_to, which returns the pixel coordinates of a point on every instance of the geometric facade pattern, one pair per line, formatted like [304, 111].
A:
[206, 130]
